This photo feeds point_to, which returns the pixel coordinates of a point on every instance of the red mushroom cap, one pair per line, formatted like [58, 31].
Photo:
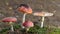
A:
[9, 19]
[23, 9]
[28, 24]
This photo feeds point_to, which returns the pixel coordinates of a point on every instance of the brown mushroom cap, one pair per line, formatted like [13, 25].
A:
[25, 9]
[28, 24]
[9, 19]
[42, 14]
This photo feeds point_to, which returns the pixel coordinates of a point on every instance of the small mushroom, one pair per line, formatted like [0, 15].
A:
[43, 14]
[28, 24]
[10, 20]
[24, 8]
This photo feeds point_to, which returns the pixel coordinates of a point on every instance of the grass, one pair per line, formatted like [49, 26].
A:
[34, 30]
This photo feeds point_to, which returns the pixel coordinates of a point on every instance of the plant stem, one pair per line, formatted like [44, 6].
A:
[27, 29]
[23, 19]
[42, 22]
[12, 29]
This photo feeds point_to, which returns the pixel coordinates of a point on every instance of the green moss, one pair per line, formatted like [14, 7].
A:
[55, 31]
[36, 29]
[17, 26]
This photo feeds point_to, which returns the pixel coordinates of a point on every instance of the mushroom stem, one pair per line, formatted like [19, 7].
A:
[12, 29]
[23, 19]
[42, 22]
[27, 29]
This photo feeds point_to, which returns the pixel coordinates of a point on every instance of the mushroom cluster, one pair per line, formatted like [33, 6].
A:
[26, 9]
[10, 20]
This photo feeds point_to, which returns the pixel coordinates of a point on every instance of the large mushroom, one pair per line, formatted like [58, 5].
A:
[10, 20]
[28, 24]
[24, 8]
[42, 14]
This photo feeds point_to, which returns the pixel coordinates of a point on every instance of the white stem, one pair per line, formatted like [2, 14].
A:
[12, 29]
[27, 29]
[42, 22]
[23, 19]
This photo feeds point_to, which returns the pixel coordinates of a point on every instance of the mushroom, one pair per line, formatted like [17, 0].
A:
[24, 8]
[28, 24]
[10, 20]
[43, 14]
